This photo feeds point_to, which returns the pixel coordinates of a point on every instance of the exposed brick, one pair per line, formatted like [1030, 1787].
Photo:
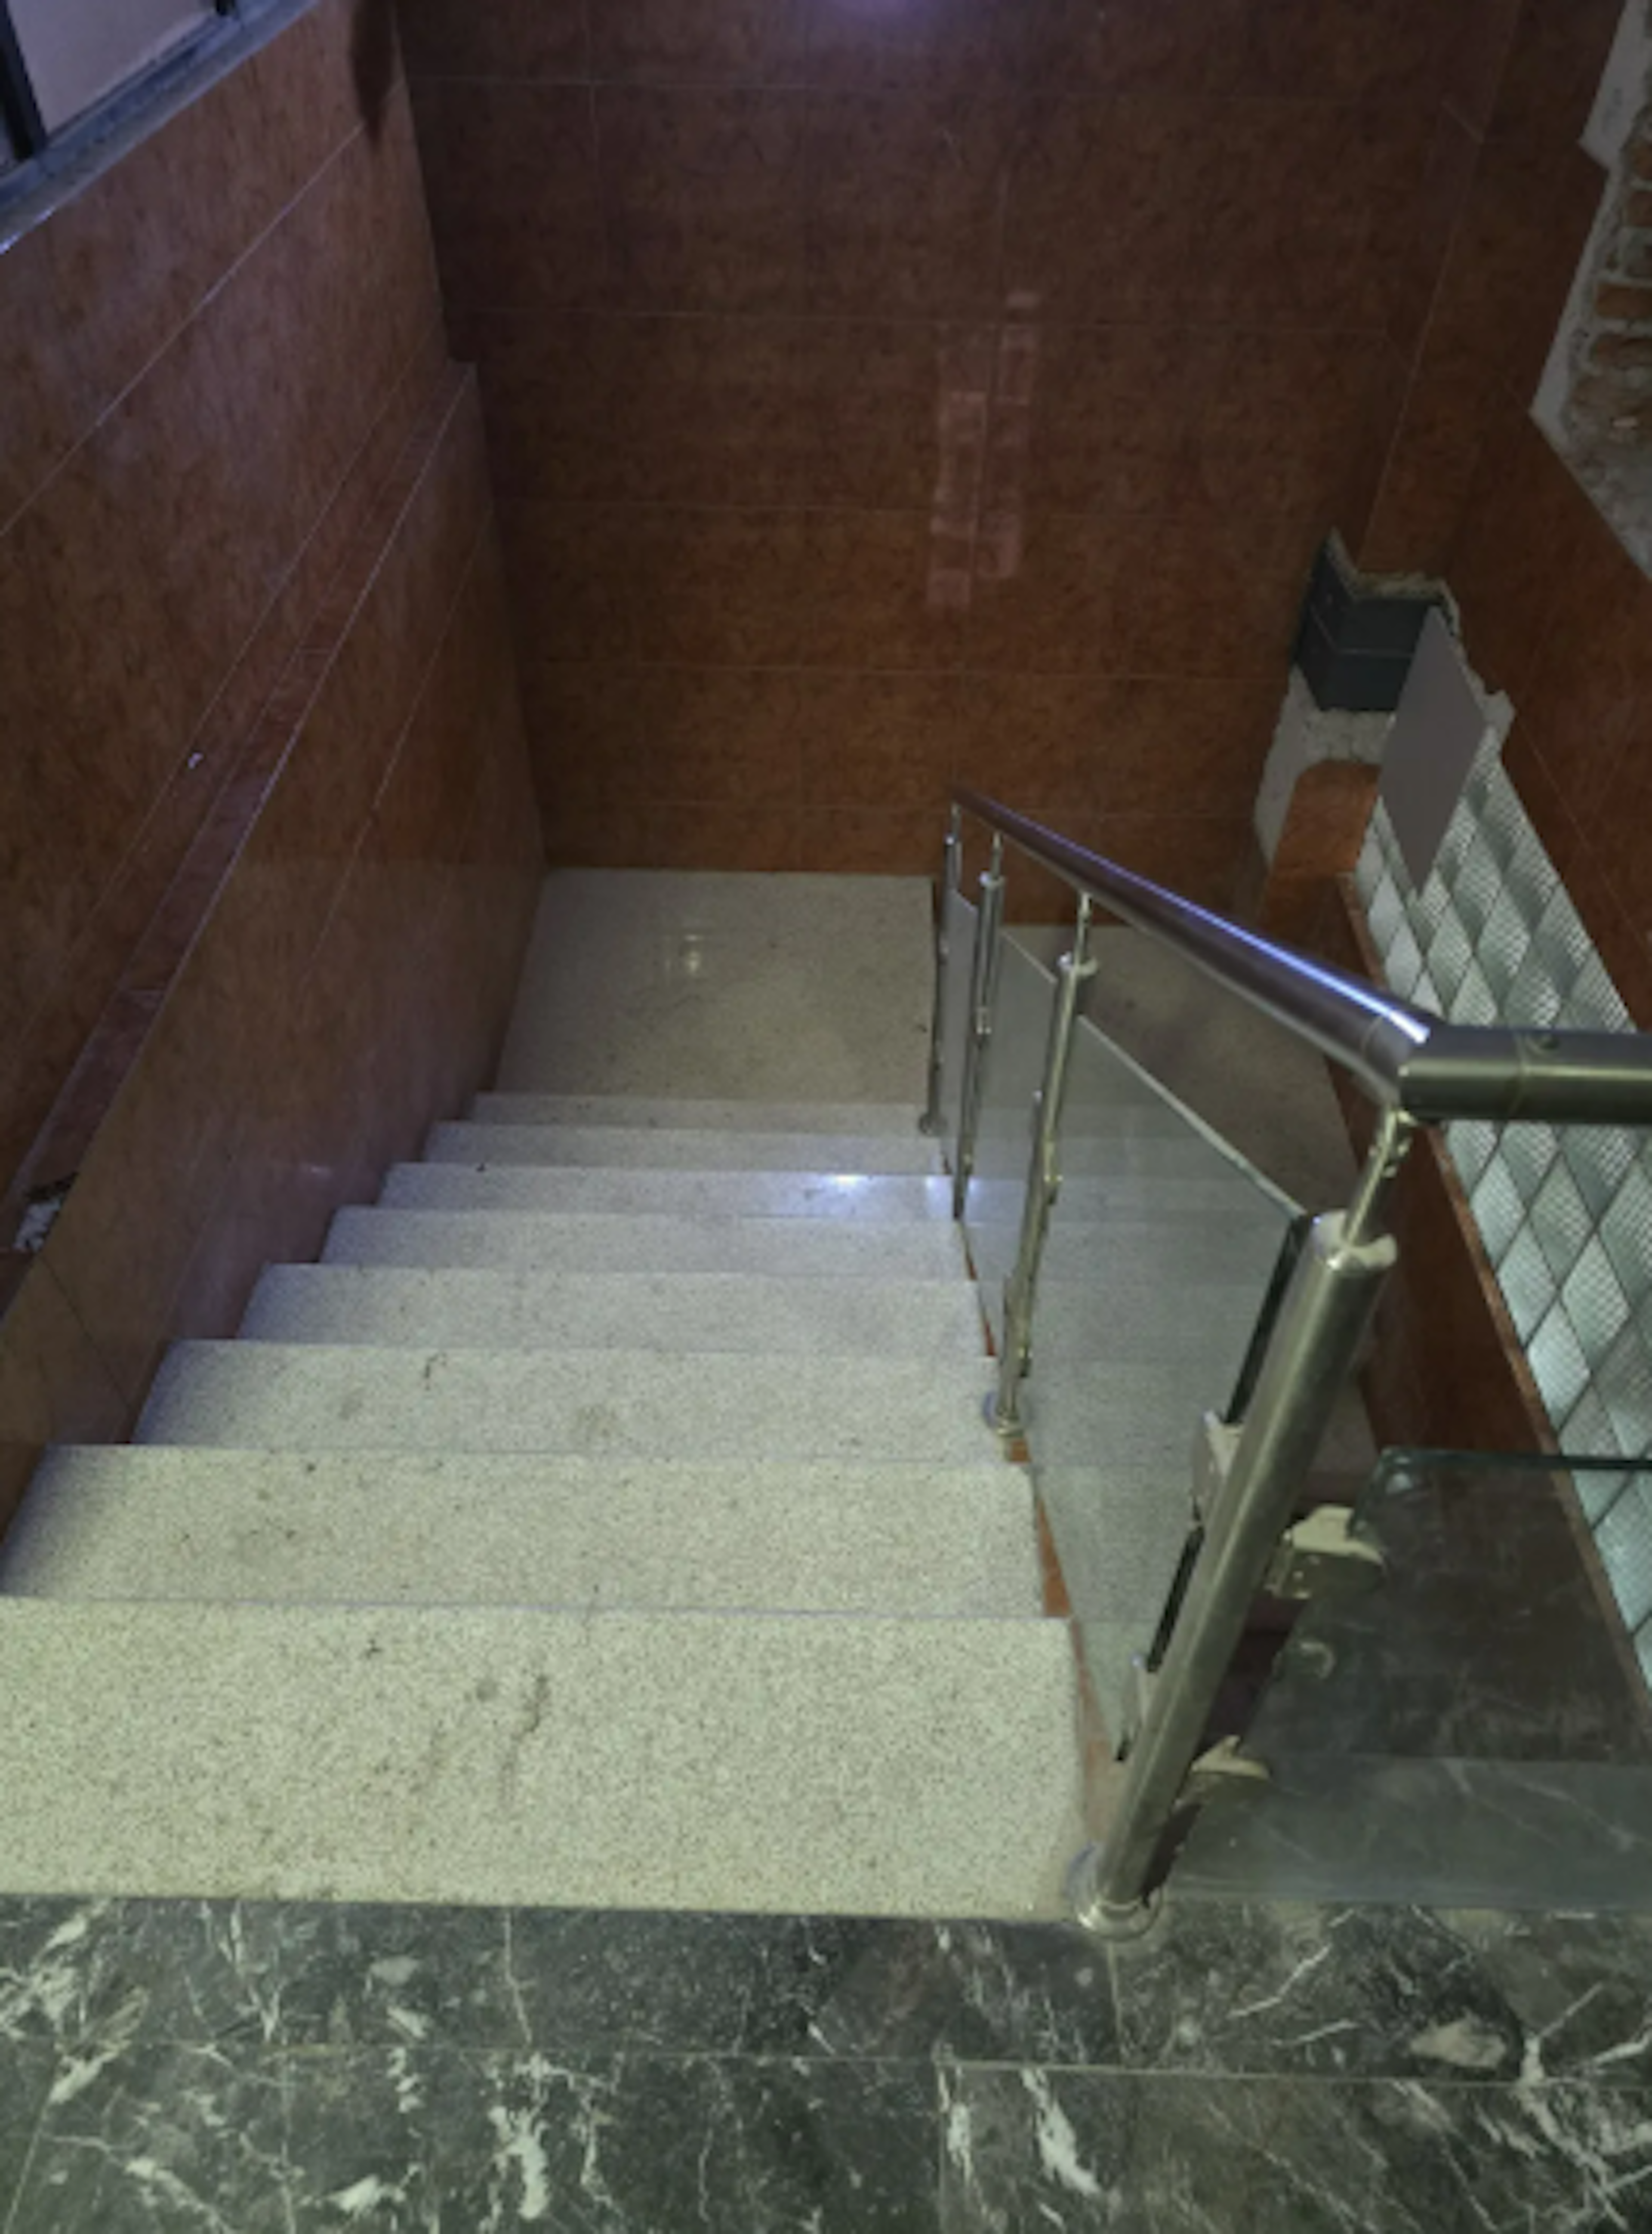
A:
[1596, 395]
[1611, 404]
[1632, 255]
[1641, 159]
[1621, 352]
[1621, 301]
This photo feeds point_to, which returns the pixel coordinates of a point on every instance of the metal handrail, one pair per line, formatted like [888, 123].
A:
[1420, 1071]
[1406, 1059]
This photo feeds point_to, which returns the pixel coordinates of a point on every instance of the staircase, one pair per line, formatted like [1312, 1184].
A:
[608, 1519]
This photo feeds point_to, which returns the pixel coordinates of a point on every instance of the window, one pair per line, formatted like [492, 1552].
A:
[65, 64]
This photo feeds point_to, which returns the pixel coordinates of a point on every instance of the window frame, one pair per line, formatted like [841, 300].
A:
[31, 152]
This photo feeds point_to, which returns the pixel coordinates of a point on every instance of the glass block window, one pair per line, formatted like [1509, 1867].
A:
[1565, 1215]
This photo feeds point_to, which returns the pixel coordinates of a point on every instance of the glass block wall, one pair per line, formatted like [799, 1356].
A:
[1565, 1215]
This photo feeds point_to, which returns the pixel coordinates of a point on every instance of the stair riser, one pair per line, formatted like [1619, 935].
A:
[631, 1110]
[778, 1248]
[846, 1199]
[682, 1312]
[615, 1405]
[612, 1147]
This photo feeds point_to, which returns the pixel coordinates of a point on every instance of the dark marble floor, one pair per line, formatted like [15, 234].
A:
[165, 2065]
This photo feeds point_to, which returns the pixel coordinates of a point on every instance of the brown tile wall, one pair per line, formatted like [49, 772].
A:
[267, 841]
[1511, 201]
[1554, 612]
[881, 394]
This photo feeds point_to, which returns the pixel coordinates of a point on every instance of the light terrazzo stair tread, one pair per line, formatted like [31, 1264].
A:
[686, 1112]
[723, 985]
[577, 1242]
[455, 1528]
[618, 1147]
[886, 1120]
[684, 1194]
[797, 1194]
[501, 1757]
[599, 1403]
[686, 1312]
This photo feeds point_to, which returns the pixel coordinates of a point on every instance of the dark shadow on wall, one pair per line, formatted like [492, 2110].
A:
[372, 53]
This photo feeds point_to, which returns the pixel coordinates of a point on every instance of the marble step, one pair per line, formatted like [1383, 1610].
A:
[681, 1311]
[724, 985]
[685, 1114]
[680, 1194]
[455, 1528]
[596, 1403]
[620, 1147]
[835, 1765]
[1140, 1110]
[805, 1248]
[1140, 1146]
[1167, 1195]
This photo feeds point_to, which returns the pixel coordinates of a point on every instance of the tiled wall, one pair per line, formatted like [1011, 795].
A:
[1554, 612]
[267, 842]
[878, 393]
[1512, 198]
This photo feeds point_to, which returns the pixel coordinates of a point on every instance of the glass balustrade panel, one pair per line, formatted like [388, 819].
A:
[1475, 1725]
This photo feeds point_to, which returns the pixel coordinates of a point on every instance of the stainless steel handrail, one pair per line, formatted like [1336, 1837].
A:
[1405, 1058]
[1420, 1071]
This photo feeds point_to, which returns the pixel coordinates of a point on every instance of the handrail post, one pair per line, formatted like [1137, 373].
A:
[934, 1116]
[1315, 1346]
[1043, 1178]
[984, 993]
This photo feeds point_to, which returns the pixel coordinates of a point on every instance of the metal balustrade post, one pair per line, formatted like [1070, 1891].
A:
[1314, 1350]
[934, 1115]
[1043, 1179]
[984, 993]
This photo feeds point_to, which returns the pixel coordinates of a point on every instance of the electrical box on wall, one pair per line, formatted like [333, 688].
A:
[1358, 636]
